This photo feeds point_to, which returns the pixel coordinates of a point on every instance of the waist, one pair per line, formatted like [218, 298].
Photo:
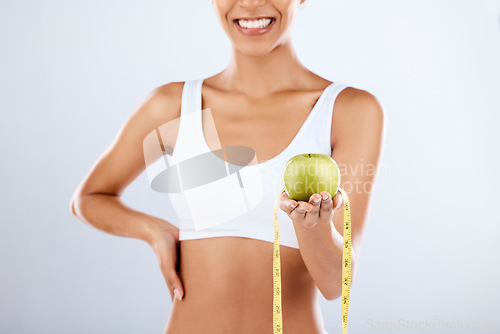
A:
[228, 285]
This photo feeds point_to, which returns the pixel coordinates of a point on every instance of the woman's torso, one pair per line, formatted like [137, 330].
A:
[228, 289]
[228, 280]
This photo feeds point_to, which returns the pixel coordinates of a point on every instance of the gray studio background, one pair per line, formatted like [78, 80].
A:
[71, 72]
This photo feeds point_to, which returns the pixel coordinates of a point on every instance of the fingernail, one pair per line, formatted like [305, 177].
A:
[293, 205]
[316, 200]
[177, 294]
[325, 197]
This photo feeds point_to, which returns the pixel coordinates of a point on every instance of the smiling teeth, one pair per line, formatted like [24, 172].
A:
[254, 24]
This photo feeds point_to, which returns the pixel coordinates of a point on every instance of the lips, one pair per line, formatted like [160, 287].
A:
[254, 25]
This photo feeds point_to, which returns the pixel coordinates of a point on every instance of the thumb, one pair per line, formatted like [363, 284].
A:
[176, 284]
[338, 200]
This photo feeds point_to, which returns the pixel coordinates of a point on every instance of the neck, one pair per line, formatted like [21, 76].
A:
[263, 75]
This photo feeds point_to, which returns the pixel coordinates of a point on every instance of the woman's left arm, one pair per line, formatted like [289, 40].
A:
[358, 126]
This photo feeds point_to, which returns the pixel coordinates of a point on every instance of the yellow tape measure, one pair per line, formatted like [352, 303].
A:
[346, 267]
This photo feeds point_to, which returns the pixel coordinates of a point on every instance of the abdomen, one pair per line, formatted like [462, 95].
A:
[228, 288]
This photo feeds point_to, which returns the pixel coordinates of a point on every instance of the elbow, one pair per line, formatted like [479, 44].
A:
[332, 293]
[76, 203]
[332, 289]
[72, 207]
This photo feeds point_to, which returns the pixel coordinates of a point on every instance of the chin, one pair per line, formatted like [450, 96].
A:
[255, 49]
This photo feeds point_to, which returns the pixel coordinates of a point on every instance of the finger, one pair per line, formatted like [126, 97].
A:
[177, 286]
[174, 279]
[174, 283]
[164, 272]
[326, 204]
[315, 201]
[338, 200]
[312, 216]
[169, 271]
[299, 213]
[286, 204]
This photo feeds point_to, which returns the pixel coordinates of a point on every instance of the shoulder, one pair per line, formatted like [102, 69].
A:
[160, 106]
[356, 102]
[163, 102]
[357, 111]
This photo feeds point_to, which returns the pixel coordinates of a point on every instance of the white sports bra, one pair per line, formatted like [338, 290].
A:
[217, 198]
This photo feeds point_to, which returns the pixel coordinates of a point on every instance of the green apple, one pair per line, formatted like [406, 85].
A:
[310, 173]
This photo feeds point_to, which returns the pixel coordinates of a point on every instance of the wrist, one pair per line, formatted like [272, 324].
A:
[160, 229]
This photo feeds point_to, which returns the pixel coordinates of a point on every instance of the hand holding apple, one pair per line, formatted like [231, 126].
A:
[309, 177]
[311, 213]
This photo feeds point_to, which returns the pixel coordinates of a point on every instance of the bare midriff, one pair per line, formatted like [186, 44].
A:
[228, 288]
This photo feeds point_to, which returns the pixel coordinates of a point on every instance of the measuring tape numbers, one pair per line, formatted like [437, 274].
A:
[346, 267]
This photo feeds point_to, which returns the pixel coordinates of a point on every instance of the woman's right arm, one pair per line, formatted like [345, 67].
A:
[96, 200]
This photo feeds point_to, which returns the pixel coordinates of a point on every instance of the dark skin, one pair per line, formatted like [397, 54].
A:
[225, 283]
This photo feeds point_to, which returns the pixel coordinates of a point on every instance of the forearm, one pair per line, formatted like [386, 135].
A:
[109, 214]
[321, 249]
